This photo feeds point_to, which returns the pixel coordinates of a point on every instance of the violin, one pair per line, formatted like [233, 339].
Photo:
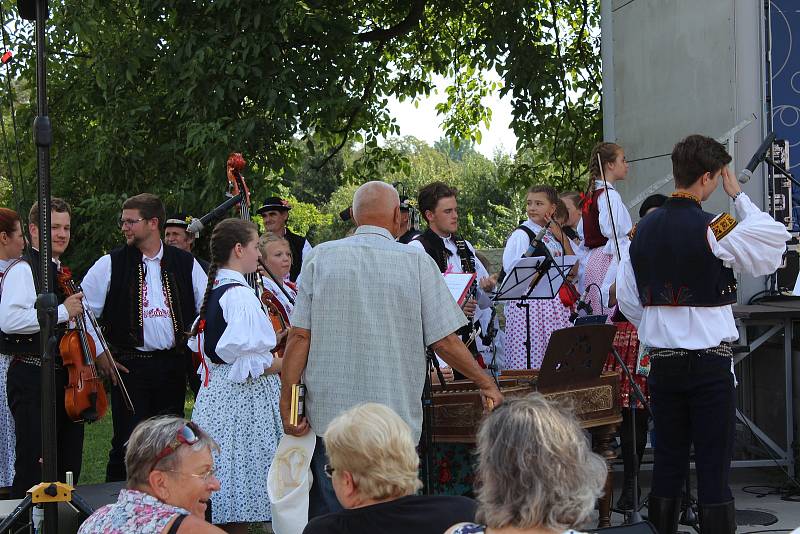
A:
[85, 396]
[276, 312]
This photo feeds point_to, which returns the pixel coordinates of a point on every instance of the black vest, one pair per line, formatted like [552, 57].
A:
[673, 262]
[434, 246]
[296, 244]
[409, 236]
[215, 322]
[29, 343]
[122, 313]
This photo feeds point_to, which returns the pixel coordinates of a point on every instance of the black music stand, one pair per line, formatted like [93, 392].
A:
[575, 355]
[533, 278]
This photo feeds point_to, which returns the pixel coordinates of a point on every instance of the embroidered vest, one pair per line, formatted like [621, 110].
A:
[673, 262]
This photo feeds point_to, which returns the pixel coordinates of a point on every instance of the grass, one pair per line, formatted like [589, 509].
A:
[97, 444]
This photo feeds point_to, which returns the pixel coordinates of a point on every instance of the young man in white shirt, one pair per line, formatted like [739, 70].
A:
[146, 294]
[677, 287]
[20, 339]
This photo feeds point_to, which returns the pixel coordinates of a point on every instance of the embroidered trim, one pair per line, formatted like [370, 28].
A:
[722, 225]
[633, 231]
[684, 194]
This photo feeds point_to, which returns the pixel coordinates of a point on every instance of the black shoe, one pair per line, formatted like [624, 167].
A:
[718, 518]
[663, 513]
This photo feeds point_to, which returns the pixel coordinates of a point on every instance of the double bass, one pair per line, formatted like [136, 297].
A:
[276, 313]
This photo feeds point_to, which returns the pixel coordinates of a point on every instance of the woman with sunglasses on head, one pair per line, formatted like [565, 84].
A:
[240, 388]
[170, 480]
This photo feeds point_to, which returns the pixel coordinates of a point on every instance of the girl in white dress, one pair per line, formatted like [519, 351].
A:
[12, 242]
[238, 400]
[546, 315]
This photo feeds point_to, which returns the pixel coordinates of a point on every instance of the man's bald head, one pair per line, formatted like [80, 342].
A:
[377, 204]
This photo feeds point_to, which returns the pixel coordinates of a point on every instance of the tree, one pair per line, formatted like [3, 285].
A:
[152, 95]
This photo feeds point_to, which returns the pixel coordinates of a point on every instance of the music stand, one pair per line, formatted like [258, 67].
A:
[575, 355]
[533, 278]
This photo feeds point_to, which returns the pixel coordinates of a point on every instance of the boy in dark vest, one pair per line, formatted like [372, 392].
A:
[275, 213]
[677, 288]
[20, 339]
[146, 295]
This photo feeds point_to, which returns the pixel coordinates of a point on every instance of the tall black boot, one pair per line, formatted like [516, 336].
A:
[718, 518]
[663, 513]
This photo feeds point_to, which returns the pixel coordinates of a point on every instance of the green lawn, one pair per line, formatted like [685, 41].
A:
[97, 443]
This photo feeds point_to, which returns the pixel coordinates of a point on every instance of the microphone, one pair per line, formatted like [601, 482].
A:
[197, 225]
[583, 304]
[757, 158]
[537, 241]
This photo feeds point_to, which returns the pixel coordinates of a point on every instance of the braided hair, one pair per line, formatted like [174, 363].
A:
[224, 238]
[608, 153]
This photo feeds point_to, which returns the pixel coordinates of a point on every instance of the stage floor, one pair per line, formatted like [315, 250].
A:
[746, 484]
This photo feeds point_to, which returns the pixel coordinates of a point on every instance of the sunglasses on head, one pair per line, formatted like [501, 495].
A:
[188, 434]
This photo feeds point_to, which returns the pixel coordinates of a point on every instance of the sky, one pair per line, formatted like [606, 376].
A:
[423, 122]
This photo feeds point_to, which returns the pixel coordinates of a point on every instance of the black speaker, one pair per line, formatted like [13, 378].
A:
[27, 9]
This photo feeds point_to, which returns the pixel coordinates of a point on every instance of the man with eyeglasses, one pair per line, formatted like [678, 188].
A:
[146, 294]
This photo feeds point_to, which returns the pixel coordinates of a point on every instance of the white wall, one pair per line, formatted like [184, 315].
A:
[681, 67]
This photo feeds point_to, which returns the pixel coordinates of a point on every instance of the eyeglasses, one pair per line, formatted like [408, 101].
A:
[328, 470]
[122, 223]
[202, 476]
[188, 434]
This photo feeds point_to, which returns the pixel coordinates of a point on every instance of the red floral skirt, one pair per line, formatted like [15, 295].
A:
[626, 342]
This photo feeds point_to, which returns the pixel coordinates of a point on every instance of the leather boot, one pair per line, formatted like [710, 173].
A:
[718, 518]
[663, 513]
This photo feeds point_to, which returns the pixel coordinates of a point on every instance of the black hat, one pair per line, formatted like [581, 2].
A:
[653, 201]
[179, 219]
[274, 203]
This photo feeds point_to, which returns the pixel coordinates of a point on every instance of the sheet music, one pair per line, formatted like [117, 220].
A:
[458, 284]
[518, 281]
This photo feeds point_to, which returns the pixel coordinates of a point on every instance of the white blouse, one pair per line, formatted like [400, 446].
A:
[518, 243]
[755, 247]
[270, 284]
[248, 337]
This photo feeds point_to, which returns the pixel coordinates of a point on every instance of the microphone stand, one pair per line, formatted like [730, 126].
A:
[635, 516]
[427, 419]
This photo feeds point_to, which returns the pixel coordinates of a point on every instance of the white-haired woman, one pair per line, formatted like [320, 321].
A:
[538, 474]
[170, 481]
[374, 466]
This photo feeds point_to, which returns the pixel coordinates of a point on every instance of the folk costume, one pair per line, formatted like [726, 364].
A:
[238, 404]
[7, 440]
[146, 306]
[546, 315]
[677, 288]
[598, 230]
[20, 339]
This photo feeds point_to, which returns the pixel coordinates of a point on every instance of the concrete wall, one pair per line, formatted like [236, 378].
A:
[681, 67]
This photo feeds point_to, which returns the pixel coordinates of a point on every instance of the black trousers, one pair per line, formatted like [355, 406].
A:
[157, 386]
[693, 402]
[24, 388]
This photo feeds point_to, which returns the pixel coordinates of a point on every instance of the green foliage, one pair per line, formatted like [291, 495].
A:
[152, 95]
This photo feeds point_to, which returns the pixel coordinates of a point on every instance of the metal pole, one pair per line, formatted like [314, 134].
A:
[46, 303]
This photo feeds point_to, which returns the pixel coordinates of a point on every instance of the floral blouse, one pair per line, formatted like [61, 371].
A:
[134, 511]
[472, 528]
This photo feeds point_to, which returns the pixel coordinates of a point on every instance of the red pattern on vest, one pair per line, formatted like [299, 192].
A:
[592, 236]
